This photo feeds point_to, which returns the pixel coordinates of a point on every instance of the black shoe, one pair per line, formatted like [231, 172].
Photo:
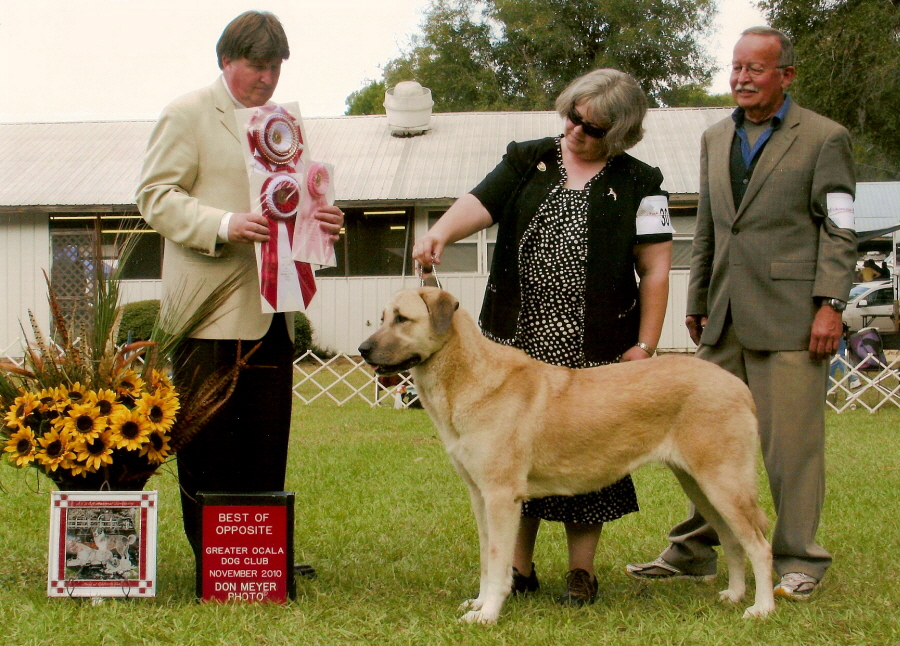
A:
[581, 589]
[524, 584]
[306, 571]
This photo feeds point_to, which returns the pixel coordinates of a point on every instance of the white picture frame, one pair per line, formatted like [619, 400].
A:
[102, 544]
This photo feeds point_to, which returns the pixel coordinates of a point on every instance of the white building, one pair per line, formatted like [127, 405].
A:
[63, 184]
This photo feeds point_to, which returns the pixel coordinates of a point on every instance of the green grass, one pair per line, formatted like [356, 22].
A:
[383, 517]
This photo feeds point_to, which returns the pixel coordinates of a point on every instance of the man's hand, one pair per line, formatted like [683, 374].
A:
[331, 219]
[248, 227]
[695, 324]
[826, 333]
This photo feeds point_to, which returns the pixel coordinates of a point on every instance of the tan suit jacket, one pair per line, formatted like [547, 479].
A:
[194, 173]
[770, 258]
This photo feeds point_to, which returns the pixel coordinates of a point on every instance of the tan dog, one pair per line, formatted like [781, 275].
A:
[516, 428]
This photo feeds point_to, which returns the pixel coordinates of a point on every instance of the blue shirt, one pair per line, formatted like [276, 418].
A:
[747, 152]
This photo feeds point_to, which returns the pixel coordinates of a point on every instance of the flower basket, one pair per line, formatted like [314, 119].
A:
[92, 416]
[84, 439]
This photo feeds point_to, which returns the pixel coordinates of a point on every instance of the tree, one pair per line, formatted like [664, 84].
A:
[696, 96]
[368, 100]
[847, 53]
[520, 54]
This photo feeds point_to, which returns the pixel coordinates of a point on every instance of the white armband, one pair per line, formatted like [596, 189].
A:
[653, 216]
[840, 210]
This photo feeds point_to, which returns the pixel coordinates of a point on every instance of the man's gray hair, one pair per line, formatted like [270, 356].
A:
[787, 47]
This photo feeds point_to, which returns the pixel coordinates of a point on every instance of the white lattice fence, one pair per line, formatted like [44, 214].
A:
[344, 378]
[871, 388]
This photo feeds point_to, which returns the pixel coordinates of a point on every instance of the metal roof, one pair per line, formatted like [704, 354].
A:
[84, 164]
[97, 164]
[877, 205]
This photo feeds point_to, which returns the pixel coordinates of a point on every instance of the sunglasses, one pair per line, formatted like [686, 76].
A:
[587, 128]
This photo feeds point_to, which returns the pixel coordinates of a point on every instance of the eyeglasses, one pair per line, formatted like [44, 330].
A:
[753, 69]
[587, 128]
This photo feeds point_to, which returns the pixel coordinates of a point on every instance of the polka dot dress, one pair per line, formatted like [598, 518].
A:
[553, 257]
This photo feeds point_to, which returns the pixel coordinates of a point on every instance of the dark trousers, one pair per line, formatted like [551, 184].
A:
[244, 447]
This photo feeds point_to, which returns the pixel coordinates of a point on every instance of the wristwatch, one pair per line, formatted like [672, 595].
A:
[646, 347]
[836, 304]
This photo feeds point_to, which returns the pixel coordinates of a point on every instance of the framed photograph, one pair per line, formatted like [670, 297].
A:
[102, 544]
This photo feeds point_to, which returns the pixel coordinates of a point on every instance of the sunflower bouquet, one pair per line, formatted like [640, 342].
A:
[119, 434]
[91, 415]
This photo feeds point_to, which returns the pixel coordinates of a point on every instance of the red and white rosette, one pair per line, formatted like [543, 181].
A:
[275, 139]
[278, 272]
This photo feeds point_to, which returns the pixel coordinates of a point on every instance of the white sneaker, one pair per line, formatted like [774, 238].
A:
[796, 586]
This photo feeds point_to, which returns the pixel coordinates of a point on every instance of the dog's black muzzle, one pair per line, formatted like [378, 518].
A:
[366, 349]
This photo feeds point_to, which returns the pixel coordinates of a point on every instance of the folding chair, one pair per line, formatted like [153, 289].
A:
[868, 363]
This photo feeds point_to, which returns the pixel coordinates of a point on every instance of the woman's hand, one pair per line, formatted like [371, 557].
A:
[466, 216]
[427, 250]
[635, 353]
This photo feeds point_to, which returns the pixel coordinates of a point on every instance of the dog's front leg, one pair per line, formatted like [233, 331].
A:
[501, 518]
[478, 511]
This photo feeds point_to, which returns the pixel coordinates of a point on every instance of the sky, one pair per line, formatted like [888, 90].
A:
[96, 60]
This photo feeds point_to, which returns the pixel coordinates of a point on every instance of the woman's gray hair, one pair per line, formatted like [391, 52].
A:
[787, 47]
[614, 101]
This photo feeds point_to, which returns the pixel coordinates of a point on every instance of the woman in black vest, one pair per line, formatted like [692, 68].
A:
[578, 220]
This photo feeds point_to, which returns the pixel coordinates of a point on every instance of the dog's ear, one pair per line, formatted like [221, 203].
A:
[441, 306]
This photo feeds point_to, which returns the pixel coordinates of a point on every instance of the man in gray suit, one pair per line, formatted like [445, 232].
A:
[195, 192]
[771, 268]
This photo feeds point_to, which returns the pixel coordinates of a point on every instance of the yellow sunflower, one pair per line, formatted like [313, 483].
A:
[159, 410]
[106, 401]
[160, 383]
[84, 421]
[97, 451]
[75, 394]
[50, 404]
[19, 415]
[21, 447]
[77, 468]
[157, 448]
[130, 385]
[130, 429]
[56, 450]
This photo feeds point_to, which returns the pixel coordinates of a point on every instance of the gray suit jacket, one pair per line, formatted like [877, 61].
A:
[194, 172]
[770, 258]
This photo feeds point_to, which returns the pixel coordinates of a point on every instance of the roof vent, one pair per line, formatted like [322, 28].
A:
[408, 106]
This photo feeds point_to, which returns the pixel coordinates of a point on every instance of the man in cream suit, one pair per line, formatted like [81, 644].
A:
[195, 192]
[771, 268]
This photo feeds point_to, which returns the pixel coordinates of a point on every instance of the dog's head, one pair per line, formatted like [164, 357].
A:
[414, 325]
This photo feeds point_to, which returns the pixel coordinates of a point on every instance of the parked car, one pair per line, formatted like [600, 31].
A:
[871, 305]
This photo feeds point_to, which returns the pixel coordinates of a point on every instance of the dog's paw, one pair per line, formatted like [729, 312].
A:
[729, 596]
[758, 611]
[477, 617]
[471, 604]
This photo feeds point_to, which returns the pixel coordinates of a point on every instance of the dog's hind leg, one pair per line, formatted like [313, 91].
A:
[747, 523]
[501, 516]
[734, 553]
[730, 506]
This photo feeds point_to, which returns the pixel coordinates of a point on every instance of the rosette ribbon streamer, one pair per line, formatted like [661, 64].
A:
[280, 200]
